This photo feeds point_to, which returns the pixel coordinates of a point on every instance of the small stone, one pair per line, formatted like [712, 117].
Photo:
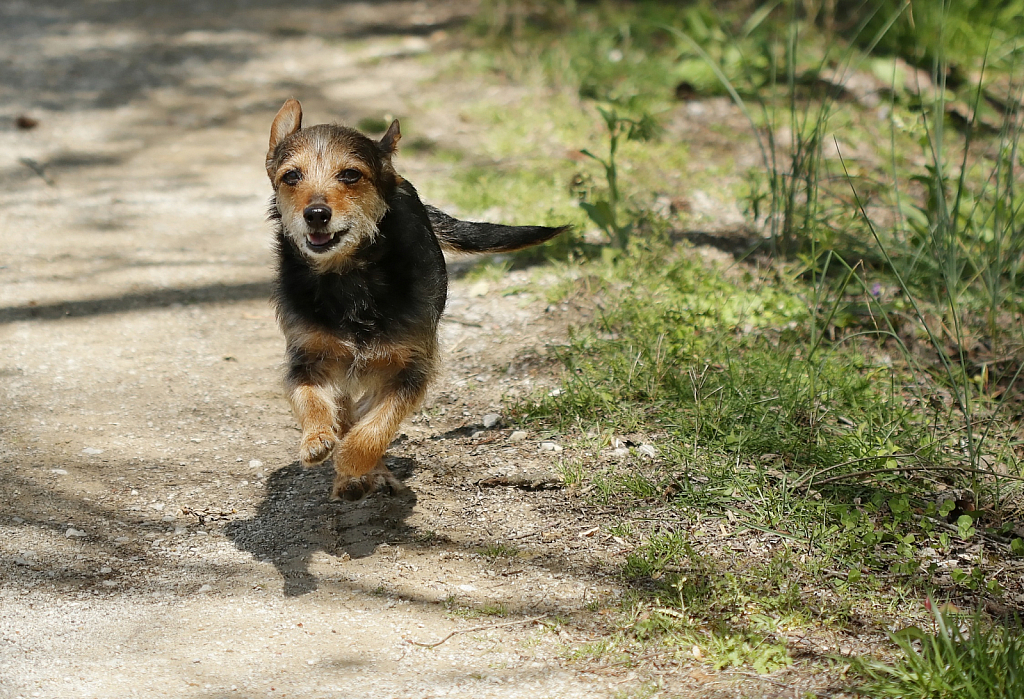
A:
[490, 420]
[109, 583]
[92, 451]
[72, 532]
[158, 506]
[59, 471]
[19, 561]
[517, 436]
[122, 540]
[647, 450]
[255, 463]
[550, 446]
[204, 588]
[621, 452]
[106, 569]
[18, 520]
[555, 392]
[477, 435]
[467, 588]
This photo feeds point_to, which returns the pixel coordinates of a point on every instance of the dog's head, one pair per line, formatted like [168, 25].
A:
[330, 184]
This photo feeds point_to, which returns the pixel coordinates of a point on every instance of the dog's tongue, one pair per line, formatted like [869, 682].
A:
[319, 238]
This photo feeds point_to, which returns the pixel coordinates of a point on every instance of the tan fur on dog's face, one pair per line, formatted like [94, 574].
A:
[327, 171]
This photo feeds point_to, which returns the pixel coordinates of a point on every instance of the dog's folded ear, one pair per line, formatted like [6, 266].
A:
[389, 142]
[287, 122]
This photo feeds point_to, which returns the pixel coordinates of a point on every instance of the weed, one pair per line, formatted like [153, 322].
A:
[493, 609]
[499, 550]
[605, 212]
[980, 662]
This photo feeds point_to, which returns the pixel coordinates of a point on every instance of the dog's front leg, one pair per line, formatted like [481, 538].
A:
[314, 403]
[359, 460]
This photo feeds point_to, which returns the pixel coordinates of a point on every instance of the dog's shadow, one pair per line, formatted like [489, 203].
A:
[297, 519]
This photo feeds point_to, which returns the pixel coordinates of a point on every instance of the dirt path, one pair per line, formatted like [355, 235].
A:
[157, 537]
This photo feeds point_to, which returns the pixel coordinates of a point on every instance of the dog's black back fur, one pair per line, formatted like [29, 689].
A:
[393, 286]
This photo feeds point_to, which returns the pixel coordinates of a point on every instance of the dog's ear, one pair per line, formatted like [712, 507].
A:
[287, 122]
[389, 141]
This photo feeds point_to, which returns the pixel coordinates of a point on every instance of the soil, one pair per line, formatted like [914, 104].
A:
[158, 537]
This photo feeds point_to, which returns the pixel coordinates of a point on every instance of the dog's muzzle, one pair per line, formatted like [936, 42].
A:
[319, 239]
[317, 215]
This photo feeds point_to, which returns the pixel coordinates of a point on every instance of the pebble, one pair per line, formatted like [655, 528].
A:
[255, 463]
[490, 420]
[106, 569]
[59, 471]
[109, 583]
[92, 451]
[550, 446]
[517, 436]
[648, 450]
[204, 588]
[72, 532]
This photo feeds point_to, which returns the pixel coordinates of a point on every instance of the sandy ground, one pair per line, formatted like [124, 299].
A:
[157, 536]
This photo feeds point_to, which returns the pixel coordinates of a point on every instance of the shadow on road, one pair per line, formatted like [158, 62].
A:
[297, 519]
[158, 298]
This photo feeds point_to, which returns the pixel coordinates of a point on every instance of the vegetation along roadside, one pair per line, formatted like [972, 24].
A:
[812, 438]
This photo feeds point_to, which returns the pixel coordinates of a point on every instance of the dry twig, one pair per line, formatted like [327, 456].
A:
[487, 627]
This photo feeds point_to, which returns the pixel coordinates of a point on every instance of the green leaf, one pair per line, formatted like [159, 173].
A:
[600, 212]
[965, 526]
[910, 633]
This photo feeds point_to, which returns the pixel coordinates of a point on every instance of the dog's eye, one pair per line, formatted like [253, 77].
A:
[350, 176]
[291, 177]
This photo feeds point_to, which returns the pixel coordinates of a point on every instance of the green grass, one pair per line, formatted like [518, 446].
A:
[826, 397]
[979, 662]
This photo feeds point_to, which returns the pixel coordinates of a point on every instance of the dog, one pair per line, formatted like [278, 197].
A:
[361, 285]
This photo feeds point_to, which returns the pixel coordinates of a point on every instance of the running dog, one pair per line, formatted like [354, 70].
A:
[361, 285]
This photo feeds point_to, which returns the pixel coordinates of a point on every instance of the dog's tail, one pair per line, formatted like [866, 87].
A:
[468, 236]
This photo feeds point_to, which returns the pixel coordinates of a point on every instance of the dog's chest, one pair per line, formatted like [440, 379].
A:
[348, 358]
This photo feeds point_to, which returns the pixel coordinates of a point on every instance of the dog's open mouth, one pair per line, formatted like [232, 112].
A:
[320, 241]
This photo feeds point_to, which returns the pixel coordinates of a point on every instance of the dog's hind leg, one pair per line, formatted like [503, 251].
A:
[359, 460]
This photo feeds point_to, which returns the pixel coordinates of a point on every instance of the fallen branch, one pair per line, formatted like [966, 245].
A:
[488, 627]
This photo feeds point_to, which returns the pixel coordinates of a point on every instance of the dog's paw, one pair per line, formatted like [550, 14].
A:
[354, 488]
[317, 447]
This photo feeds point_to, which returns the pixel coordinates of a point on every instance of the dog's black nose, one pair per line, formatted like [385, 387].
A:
[317, 215]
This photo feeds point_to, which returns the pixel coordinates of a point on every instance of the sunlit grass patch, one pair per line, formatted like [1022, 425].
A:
[974, 660]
